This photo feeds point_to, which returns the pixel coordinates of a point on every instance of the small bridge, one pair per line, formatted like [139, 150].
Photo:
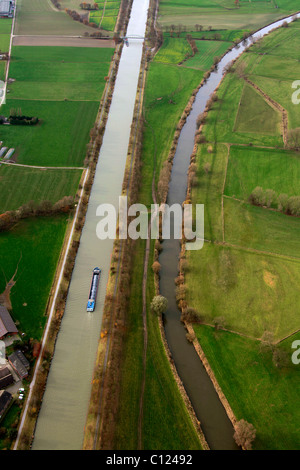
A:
[133, 36]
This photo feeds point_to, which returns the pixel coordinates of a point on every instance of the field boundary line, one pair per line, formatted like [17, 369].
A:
[43, 167]
[275, 105]
[254, 250]
[223, 189]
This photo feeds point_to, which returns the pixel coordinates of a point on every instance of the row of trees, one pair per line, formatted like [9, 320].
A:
[34, 209]
[282, 202]
[89, 6]
[174, 29]
[23, 120]
[81, 18]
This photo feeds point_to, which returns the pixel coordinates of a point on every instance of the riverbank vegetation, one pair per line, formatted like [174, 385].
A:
[170, 84]
[242, 286]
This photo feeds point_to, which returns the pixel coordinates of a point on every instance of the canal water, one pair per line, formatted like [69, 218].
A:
[215, 423]
[62, 417]
[63, 413]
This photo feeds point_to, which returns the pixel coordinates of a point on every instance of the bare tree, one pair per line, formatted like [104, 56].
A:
[293, 139]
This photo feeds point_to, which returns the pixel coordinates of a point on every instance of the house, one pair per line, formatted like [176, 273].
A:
[6, 378]
[6, 9]
[7, 325]
[19, 363]
[5, 402]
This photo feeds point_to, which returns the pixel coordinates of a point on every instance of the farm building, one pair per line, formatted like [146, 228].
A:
[19, 363]
[6, 378]
[5, 402]
[6, 9]
[7, 325]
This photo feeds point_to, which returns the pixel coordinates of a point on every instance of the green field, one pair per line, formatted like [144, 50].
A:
[62, 86]
[207, 51]
[5, 30]
[254, 292]
[248, 271]
[40, 17]
[173, 51]
[258, 391]
[21, 185]
[33, 246]
[168, 88]
[255, 115]
[255, 166]
[224, 13]
[59, 139]
[59, 73]
[166, 424]
[227, 119]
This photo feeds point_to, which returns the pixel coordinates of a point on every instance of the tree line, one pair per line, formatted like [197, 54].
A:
[282, 202]
[34, 209]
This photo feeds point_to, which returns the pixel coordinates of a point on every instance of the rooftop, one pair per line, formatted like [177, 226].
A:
[5, 7]
[6, 322]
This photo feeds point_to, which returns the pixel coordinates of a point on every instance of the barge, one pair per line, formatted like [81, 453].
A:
[93, 290]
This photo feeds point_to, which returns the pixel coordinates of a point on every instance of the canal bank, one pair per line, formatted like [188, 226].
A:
[62, 416]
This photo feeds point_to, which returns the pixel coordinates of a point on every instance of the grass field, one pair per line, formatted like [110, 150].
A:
[21, 185]
[173, 51]
[224, 14]
[62, 86]
[248, 271]
[33, 246]
[207, 51]
[247, 170]
[168, 89]
[5, 30]
[265, 395]
[106, 15]
[40, 17]
[255, 115]
[166, 424]
[254, 292]
[59, 73]
[59, 139]
[227, 119]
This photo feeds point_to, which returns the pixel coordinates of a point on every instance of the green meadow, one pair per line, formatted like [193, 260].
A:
[227, 120]
[166, 423]
[21, 185]
[59, 73]
[224, 13]
[59, 139]
[62, 86]
[40, 17]
[248, 270]
[5, 30]
[168, 89]
[106, 15]
[207, 51]
[257, 390]
[252, 167]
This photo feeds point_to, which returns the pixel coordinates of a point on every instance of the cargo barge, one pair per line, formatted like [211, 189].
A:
[93, 290]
